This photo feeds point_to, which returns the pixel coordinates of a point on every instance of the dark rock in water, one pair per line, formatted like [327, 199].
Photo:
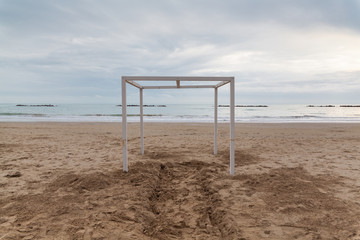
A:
[135, 105]
[13, 175]
[40, 105]
[320, 106]
[247, 106]
[349, 105]
[44, 105]
[154, 105]
[251, 106]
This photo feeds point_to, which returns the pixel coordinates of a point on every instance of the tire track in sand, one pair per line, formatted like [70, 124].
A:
[182, 203]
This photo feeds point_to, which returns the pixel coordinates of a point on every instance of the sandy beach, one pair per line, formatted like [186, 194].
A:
[293, 181]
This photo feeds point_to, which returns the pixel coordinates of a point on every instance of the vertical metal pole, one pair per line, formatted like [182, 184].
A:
[232, 127]
[215, 120]
[124, 125]
[141, 122]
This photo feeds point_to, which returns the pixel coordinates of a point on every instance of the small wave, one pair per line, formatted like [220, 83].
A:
[193, 116]
[304, 116]
[288, 117]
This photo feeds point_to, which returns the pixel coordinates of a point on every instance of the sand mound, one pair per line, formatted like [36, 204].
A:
[179, 201]
[285, 199]
[156, 200]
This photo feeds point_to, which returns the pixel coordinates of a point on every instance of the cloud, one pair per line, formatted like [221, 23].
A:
[80, 50]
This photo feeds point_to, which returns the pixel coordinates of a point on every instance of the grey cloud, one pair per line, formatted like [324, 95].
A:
[304, 13]
[163, 16]
[83, 47]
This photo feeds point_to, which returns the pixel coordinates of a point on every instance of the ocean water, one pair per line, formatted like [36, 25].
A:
[176, 113]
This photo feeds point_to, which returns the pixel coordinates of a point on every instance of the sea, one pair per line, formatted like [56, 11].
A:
[178, 113]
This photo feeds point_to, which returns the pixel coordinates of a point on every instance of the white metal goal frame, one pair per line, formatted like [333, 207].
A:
[219, 82]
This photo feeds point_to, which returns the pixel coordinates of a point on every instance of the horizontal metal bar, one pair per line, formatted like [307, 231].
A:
[221, 84]
[174, 87]
[135, 84]
[174, 78]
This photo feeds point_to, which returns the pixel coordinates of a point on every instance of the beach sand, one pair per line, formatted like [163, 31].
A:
[293, 181]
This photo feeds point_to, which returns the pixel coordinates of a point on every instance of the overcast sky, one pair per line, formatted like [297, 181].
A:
[280, 51]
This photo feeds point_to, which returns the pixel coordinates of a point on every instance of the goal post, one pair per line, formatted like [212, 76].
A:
[218, 82]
